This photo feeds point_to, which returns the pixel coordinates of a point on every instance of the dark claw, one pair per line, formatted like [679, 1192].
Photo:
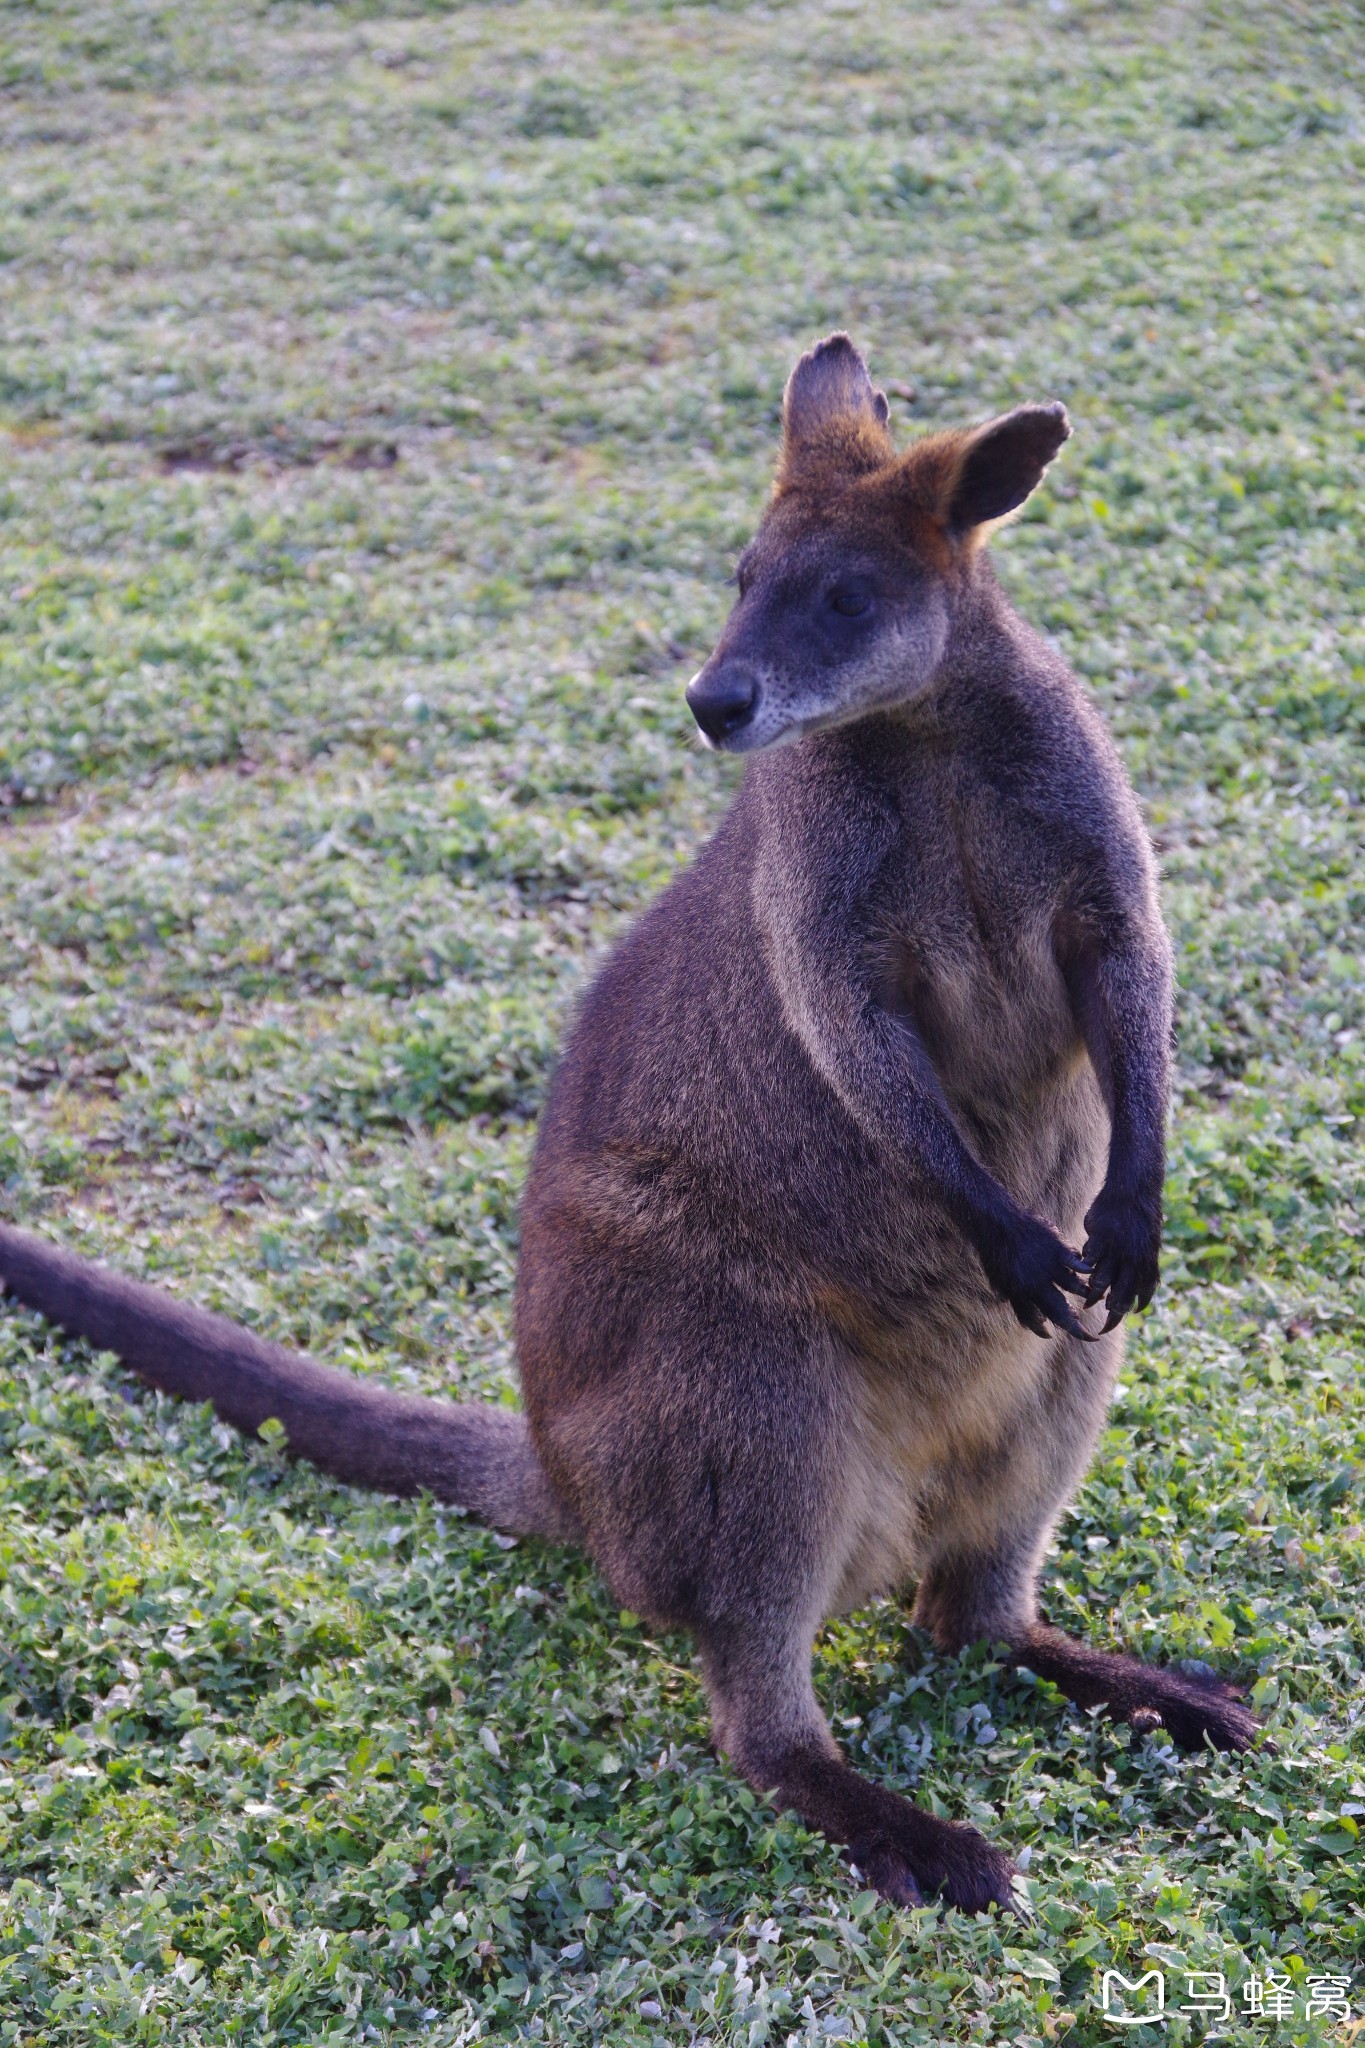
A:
[1120, 1301]
[1031, 1318]
[1101, 1280]
[1063, 1317]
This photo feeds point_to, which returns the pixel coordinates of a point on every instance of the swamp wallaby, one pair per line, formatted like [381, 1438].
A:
[798, 1316]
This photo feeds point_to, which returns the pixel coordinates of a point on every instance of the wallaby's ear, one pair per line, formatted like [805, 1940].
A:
[1002, 463]
[831, 412]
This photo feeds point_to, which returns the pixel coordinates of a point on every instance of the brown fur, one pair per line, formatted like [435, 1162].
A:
[799, 1314]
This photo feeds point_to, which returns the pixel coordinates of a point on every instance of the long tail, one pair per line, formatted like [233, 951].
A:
[472, 1455]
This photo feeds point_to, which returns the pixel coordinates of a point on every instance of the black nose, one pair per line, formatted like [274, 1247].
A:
[722, 703]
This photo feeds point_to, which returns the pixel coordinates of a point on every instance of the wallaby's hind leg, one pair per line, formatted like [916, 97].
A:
[769, 1723]
[980, 1583]
[1193, 1710]
[721, 1497]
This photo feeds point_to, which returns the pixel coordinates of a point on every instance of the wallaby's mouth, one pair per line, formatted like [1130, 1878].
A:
[752, 727]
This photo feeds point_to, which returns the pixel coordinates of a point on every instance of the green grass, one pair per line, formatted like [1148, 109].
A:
[384, 397]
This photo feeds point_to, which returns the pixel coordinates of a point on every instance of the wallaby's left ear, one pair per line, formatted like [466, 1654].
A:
[1002, 463]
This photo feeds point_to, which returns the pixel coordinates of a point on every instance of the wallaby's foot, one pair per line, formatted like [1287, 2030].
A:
[903, 1852]
[768, 1722]
[1193, 1710]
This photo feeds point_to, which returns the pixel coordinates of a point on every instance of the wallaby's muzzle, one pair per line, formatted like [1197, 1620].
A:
[722, 697]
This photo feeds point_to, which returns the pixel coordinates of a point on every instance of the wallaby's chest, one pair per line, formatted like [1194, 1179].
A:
[969, 935]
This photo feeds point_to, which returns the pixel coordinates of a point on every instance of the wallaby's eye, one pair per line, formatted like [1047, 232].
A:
[744, 571]
[850, 603]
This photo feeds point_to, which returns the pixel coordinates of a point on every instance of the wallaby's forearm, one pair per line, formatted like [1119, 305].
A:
[474, 1455]
[1121, 994]
[882, 1075]
[873, 1059]
[1119, 978]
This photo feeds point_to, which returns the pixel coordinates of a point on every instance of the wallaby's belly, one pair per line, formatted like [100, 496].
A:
[1015, 1074]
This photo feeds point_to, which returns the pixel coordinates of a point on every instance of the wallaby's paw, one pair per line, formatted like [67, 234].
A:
[1193, 1711]
[931, 1858]
[1122, 1250]
[1034, 1271]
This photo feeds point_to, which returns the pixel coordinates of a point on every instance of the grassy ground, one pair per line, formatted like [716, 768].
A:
[385, 395]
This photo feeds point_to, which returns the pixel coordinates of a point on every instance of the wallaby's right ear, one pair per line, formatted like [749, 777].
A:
[833, 417]
[1001, 464]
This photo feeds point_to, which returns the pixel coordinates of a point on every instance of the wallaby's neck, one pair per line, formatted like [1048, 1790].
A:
[984, 632]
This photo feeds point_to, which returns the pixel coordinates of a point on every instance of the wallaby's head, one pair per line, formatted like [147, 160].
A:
[846, 591]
